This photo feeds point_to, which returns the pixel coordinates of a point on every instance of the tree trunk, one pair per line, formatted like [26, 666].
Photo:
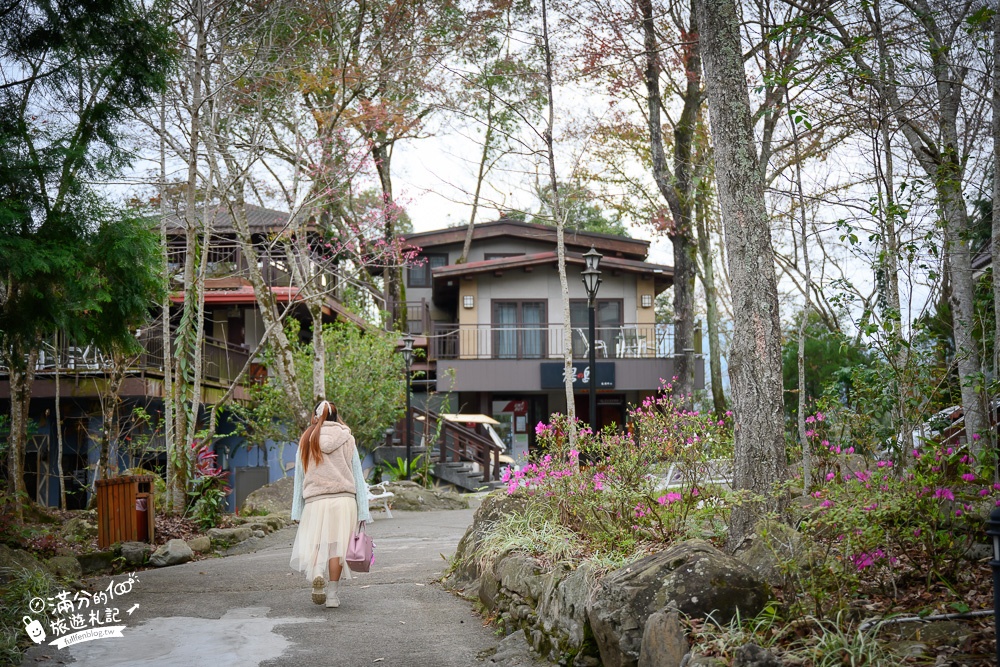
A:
[382, 156]
[568, 376]
[995, 236]
[59, 433]
[21, 378]
[806, 310]
[187, 337]
[109, 415]
[963, 314]
[319, 352]
[711, 301]
[676, 191]
[470, 231]
[755, 354]
[169, 426]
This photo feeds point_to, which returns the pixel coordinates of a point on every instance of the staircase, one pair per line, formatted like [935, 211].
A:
[460, 456]
[464, 475]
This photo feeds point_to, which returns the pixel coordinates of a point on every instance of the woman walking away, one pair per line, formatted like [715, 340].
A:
[329, 500]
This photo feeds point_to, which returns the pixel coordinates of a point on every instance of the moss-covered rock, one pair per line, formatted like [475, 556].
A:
[275, 498]
[691, 577]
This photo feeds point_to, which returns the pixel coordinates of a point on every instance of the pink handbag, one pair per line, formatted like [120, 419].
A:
[361, 550]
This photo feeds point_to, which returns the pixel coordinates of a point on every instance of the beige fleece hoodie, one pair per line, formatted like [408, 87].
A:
[333, 475]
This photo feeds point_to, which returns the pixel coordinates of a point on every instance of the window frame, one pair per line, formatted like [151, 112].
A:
[423, 271]
[519, 327]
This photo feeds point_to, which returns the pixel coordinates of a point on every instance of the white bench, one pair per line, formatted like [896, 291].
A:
[716, 471]
[380, 499]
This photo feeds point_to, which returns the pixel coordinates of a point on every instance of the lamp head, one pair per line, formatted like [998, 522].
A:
[591, 282]
[592, 259]
[408, 350]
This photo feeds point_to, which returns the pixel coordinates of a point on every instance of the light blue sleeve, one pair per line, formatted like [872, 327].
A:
[360, 488]
[297, 501]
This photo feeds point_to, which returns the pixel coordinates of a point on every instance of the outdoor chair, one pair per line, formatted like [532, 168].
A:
[379, 498]
[599, 345]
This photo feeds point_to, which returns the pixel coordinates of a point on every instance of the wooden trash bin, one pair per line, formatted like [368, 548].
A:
[119, 517]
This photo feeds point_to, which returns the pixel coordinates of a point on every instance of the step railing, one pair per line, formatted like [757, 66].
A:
[458, 444]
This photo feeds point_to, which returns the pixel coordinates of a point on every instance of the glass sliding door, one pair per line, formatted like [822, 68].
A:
[519, 329]
[505, 330]
[533, 331]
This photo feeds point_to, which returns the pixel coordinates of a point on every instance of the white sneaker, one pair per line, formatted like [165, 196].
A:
[332, 601]
[318, 594]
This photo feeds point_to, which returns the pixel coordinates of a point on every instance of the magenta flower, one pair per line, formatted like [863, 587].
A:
[976, 436]
[969, 477]
[944, 493]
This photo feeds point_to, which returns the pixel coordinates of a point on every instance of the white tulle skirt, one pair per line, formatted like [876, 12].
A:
[324, 532]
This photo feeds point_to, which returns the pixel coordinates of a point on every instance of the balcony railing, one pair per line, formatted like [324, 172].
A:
[221, 361]
[496, 341]
[417, 313]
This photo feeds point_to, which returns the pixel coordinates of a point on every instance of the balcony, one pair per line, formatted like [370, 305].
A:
[628, 341]
[496, 358]
[221, 361]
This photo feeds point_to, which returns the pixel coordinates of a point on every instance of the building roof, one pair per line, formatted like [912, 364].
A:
[662, 275]
[609, 244]
[259, 219]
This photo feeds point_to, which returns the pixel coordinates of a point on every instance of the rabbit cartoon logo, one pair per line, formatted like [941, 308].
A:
[34, 629]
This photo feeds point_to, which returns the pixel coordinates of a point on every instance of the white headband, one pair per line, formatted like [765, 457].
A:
[319, 408]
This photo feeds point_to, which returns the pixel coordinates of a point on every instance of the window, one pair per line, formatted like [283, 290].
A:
[420, 276]
[501, 255]
[607, 323]
[519, 329]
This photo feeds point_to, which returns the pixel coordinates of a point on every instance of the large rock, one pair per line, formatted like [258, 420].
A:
[173, 552]
[78, 530]
[691, 577]
[664, 643]
[223, 538]
[97, 561]
[776, 550]
[415, 498]
[275, 498]
[136, 553]
[548, 604]
[65, 567]
[751, 655]
[201, 544]
[465, 575]
[18, 559]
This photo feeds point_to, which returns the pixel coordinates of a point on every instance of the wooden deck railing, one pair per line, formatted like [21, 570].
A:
[457, 443]
[221, 361]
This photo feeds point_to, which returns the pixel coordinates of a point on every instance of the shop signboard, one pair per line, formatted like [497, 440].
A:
[552, 375]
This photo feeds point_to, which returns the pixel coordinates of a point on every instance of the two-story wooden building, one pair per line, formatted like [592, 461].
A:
[233, 329]
[494, 326]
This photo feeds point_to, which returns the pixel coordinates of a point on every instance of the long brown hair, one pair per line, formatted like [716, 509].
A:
[309, 442]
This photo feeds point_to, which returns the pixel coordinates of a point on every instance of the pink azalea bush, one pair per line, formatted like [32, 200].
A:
[606, 488]
[880, 522]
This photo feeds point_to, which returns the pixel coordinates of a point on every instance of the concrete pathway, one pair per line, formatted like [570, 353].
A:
[250, 610]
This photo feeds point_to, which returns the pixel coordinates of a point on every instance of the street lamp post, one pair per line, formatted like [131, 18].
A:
[592, 282]
[408, 360]
[993, 530]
